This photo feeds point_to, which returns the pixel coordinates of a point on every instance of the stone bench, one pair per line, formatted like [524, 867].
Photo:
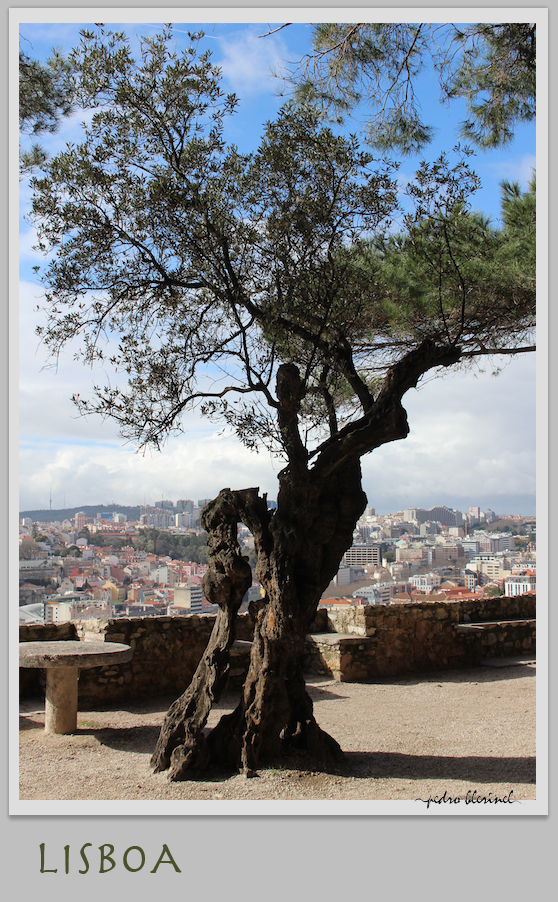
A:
[502, 637]
[343, 657]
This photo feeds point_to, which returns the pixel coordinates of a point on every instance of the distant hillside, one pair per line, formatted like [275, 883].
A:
[506, 524]
[49, 516]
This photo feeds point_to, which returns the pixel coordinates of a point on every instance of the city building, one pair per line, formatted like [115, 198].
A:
[380, 593]
[347, 575]
[440, 554]
[520, 584]
[361, 555]
[64, 610]
[80, 520]
[425, 582]
[188, 598]
[185, 506]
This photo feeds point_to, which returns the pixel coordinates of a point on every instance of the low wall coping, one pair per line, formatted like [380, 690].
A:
[488, 624]
[335, 638]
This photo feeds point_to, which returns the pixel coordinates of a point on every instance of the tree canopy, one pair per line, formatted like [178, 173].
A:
[376, 66]
[213, 268]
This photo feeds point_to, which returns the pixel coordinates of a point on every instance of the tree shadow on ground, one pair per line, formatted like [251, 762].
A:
[358, 765]
[139, 739]
[485, 674]
[470, 768]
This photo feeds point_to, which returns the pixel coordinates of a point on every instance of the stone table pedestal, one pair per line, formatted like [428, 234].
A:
[62, 662]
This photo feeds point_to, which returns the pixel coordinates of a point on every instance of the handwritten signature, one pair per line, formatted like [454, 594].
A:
[472, 797]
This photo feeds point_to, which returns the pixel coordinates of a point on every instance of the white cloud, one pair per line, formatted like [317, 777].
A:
[470, 438]
[192, 466]
[248, 61]
[519, 169]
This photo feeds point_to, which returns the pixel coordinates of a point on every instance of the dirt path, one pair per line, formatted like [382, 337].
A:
[458, 732]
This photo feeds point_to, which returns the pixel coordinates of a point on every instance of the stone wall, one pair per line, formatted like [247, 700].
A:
[499, 608]
[356, 643]
[362, 642]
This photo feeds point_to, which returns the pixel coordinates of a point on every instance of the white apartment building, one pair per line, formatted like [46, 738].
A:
[471, 580]
[64, 611]
[381, 592]
[520, 585]
[425, 582]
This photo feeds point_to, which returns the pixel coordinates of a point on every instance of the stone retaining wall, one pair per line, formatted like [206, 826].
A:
[362, 642]
[349, 643]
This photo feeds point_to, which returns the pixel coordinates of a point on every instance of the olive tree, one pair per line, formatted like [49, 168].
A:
[274, 292]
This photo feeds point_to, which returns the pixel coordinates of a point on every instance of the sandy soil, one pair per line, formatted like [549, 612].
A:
[453, 732]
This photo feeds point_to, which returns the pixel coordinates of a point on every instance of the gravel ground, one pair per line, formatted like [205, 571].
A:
[454, 732]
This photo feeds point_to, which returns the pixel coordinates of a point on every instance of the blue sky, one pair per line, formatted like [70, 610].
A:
[472, 437]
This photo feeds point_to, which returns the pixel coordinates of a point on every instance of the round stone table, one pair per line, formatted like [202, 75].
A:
[62, 662]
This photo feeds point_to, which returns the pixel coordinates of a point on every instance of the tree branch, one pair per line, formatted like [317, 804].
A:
[275, 30]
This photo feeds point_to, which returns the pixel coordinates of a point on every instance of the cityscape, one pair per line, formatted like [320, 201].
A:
[150, 560]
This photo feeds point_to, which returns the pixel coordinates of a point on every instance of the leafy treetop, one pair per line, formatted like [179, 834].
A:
[200, 274]
[375, 67]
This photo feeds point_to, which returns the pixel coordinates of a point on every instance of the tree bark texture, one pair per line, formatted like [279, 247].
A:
[181, 745]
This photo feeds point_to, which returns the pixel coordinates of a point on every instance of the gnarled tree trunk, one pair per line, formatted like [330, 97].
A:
[299, 548]
[298, 556]
[181, 745]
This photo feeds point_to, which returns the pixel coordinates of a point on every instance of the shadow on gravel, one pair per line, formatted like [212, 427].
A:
[26, 722]
[124, 739]
[471, 768]
[469, 675]
[357, 765]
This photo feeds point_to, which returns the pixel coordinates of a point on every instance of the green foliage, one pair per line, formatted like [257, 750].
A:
[494, 591]
[196, 272]
[189, 547]
[452, 276]
[375, 67]
[497, 77]
[101, 540]
[45, 97]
